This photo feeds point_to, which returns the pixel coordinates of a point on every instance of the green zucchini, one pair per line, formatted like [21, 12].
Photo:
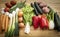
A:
[38, 8]
[57, 21]
[35, 10]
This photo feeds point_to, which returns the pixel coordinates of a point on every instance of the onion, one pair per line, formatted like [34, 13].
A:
[20, 19]
[21, 25]
[6, 9]
[12, 2]
[8, 5]
[20, 13]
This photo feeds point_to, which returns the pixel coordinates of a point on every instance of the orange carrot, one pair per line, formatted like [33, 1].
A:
[3, 21]
[6, 23]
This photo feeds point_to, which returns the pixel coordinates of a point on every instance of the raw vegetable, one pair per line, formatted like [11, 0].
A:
[35, 21]
[43, 22]
[6, 21]
[8, 5]
[6, 9]
[39, 2]
[38, 8]
[8, 33]
[27, 28]
[12, 2]
[50, 17]
[21, 25]
[11, 28]
[51, 24]
[27, 14]
[0, 24]
[20, 19]
[16, 32]
[42, 4]
[13, 23]
[3, 21]
[45, 9]
[18, 5]
[57, 21]
[20, 13]
[35, 10]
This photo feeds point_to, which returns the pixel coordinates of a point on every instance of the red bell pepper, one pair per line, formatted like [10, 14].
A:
[43, 22]
[35, 22]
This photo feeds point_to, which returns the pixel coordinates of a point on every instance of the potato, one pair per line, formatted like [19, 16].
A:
[42, 4]
[45, 9]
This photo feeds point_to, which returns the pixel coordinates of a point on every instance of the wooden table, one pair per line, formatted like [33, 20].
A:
[55, 4]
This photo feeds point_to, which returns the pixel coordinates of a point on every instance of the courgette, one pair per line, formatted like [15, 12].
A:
[38, 8]
[35, 10]
[57, 21]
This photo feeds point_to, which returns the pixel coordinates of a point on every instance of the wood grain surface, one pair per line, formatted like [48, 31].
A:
[54, 4]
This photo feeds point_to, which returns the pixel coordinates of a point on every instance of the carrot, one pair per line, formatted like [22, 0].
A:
[6, 23]
[3, 21]
[0, 24]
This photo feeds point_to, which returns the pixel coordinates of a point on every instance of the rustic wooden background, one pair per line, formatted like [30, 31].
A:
[54, 4]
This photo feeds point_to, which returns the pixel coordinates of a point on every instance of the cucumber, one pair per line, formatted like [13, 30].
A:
[38, 8]
[57, 21]
[35, 10]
